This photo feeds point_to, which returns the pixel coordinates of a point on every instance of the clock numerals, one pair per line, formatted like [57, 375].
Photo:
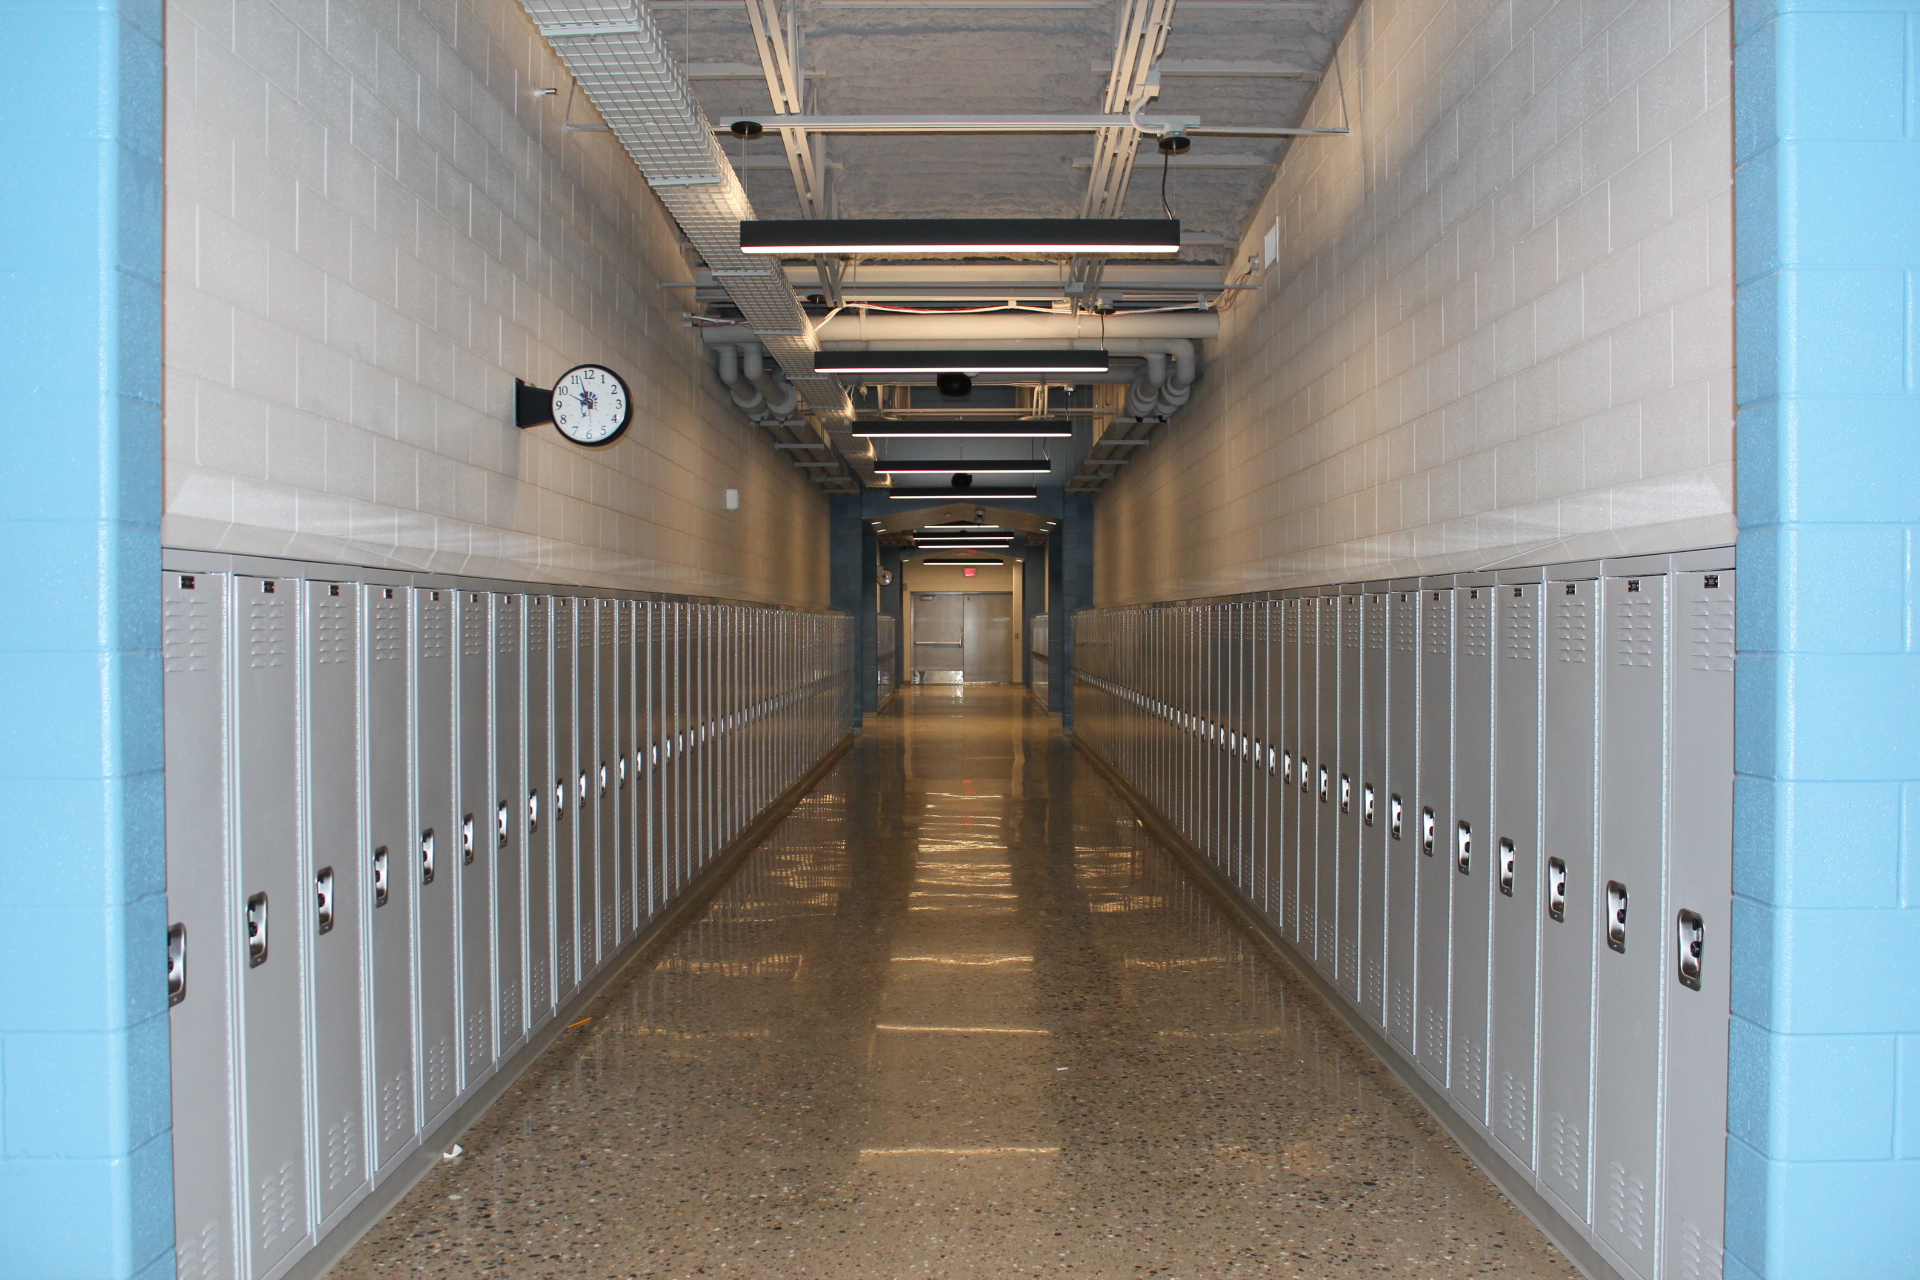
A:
[591, 405]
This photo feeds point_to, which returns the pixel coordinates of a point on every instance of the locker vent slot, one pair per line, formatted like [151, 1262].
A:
[440, 1069]
[434, 627]
[1520, 630]
[1633, 638]
[278, 1208]
[1710, 632]
[1699, 1257]
[269, 632]
[343, 1152]
[389, 627]
[1436, 1034]
[187, 636]
[1406, 633]
[1476, 629]
[1626, 1205]
[332, 630]
[1567, 1152]
[537, 629]
[1470, 1071]
[1572, 629]
[1516, 1104]
[1402, 1016]
[479, 1044]
[396, 1108]
[506, 632]
[201, 1255]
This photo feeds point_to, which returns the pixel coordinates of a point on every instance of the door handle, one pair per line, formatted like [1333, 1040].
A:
[1346, 794]
[1507, 859]
[1426, 830]
[1557, 888]
[256, 930]
[1691, 933]
[176, 964]
[560, 799]
[533, 811]
[1323, 784]
[1366, 803]
[1286, 770]
[382, 887]
[466, 838]
[1617, 916]
[1395, 813]
[1463, 847]
[426, 856]
[323, 899]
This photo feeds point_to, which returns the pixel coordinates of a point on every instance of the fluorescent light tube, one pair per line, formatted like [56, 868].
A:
[971, 362]
[805, 237]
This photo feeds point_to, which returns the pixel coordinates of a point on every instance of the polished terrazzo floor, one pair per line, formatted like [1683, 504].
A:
[959, 1017]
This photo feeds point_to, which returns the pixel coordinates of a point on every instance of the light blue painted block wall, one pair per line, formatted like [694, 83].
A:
[1824, 1149]
[86, 1189]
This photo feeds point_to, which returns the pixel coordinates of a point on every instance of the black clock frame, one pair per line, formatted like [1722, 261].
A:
[533, 406]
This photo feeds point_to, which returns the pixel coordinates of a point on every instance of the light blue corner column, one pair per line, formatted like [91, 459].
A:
[1824, 1150]
[86, 1187]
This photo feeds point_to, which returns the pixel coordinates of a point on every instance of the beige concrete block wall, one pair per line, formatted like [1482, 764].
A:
[373, 226]
[1498, 327]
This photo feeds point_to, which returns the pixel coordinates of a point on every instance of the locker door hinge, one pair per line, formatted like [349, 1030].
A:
[1463, 847]
[323, 900]
[1557, 888]
[176, 964]
[382, 887]
[256, 930]
[1507, 859]
[1617, 916]
[1691, 936]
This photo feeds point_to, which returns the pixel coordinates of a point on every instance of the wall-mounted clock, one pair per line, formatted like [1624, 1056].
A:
[590, 404]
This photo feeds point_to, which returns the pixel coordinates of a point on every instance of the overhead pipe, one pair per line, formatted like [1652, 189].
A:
[781, 399]
[727, 365]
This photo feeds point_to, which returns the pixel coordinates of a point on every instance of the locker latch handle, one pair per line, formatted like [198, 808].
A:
[323, 900]
[623, 769]
[382, 887]
[176, 964]
[1691, 937]
[533, 810]
[1367, 803]
[603, 777]
[1507, 860]
[1463, 847]
[559, 799]
[1426, 830]
[466, 838]
[1617, 916]
[500, 824]
[1346, 794]
[1286, 768]
[1323, 784]
[1396, 812]
[1557, 888]
[256, 930]
[427, 847]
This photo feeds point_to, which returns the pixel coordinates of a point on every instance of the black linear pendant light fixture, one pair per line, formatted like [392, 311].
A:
[961, 429]
[950, 492]
[970, 362]
[943, 237]
[947, 466]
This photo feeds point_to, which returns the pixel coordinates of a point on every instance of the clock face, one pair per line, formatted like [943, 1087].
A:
[591, 405]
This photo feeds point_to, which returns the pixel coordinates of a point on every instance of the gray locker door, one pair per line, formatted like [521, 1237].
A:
[602, 780]
[672, 809]
[436, 851]
[203, 924]
[511, 749]
[1279, 747]
[651, 661]
[1516, 868]
[476, 849]
[629, 845]
[266, 769]
[1398, 810]
[585, 784]
[566, 824]
[1569, 724]
[1370, 807]
[1699, 877]
[1430, 825]
[388, 857]
[1325, 782]
[1265, 722]
[542, 821]
[333, 910]
[1292, 766]
[1245, 672]
[1470, 848]
[1346, 796]
[1631, 966]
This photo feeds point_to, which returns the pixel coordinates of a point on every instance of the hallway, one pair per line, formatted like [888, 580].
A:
[958, 1016]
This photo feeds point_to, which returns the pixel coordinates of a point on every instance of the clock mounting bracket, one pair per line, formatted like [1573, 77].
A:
[532, 406]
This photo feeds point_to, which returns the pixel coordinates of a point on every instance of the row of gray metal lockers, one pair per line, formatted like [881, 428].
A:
[407, 819]
[1495, 811]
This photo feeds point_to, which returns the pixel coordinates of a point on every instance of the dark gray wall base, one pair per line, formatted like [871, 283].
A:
[1503, 1175]
[362, 1218]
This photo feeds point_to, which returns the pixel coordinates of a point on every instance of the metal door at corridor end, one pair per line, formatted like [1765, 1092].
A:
[963, 637]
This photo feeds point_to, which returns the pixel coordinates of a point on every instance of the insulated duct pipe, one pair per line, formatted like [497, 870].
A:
[726, 359]
[780, 397]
